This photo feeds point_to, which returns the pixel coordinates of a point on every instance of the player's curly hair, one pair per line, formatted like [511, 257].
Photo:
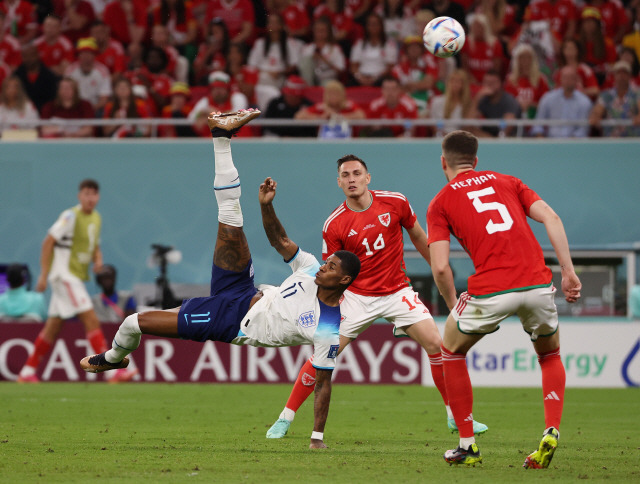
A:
[459, 148]
[349, 262]
[89, 183]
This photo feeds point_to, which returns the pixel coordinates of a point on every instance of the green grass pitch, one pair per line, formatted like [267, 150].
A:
[57, 432]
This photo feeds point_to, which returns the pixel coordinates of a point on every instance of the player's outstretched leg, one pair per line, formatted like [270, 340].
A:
[126, 340]
[232, 249]
[541, 458]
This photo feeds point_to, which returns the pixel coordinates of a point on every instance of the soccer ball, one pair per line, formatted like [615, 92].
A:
[443, 36]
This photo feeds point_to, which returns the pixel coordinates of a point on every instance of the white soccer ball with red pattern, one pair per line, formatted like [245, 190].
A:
[443, 36]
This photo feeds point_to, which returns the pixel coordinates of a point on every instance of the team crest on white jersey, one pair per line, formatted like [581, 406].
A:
[385, 219]
[308, 319]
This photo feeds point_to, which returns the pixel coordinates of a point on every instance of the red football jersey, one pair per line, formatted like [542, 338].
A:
[375, 236]
[487, 213]
[52, 55]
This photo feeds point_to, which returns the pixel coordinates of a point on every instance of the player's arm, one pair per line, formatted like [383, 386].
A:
[46, 256]
[97, 259]
[419, 239]
[272, 227]
[322, 397]
[442, 273]
[543, 213]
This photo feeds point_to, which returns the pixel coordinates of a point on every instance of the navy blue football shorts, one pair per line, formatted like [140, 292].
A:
[218, 316]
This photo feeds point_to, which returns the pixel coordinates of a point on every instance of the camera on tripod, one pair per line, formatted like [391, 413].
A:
[161, 257]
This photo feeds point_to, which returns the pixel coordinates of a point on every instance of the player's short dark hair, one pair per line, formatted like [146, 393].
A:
[459, 148]
[349, 262]
[89, 183]
[346, 158]
[16, 275]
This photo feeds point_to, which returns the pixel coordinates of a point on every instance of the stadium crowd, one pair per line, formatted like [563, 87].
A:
[181, 59]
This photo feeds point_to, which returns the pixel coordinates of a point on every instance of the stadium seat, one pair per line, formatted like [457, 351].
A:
[314, 93]
[363, 95]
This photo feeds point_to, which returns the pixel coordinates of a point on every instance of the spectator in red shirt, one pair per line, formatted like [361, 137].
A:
[77, 17]
[393, 104]
[482, 51]
[177, 16]
[501, 17]
[220, 98]
[295, 17]
[110, 52]
[562, 16]
[9, 45]
[417, 71]
[152, 75]
[20, 20]
[614, 18]
[570, 54]
[177, 65]
[67, 105]
[124, 105]
[127, 20]
[212, 53]
[334, 107]
[238, 15]
[525, 82]
[178, 108]
[345, 30]
[599, 50]
[5, 71]
[55, 50]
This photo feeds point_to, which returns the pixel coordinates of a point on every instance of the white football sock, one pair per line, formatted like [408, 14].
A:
[226, 184]
[126, 339]
[288, 414]
[449, 412]
[466, 442]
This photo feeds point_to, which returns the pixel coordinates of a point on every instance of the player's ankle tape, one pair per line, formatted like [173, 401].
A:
[223, 133]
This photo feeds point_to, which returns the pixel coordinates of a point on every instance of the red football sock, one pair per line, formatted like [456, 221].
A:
[40, 348]
[437, 372]
[96, 338]
[303, 387]
[553, 383]
[459, 391]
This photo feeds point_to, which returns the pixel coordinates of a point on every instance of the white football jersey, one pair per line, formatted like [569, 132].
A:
[291, 314]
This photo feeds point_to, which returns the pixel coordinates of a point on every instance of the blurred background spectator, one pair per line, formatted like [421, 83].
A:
[93, 78]
[9, 45]
[286, 106]
[125, 105]
[455, 103]
[525, 82]
[619, 102]
[275, 55]
[18, 303]
[67, 105]
[15, 106]
[220, 99]
[55, 50]
[39, 82]
[599, 50]
[238, 15]
[373, 56]
[493, 102]
[178, 108]
[111, 305]
[334, 107]
[564, 102]
[482, 50]
[570, 54]
[213, 51]
[110, 52]
[20, 19]
[393, 103]
[77, 17]
[322, 59]
[418, 72]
